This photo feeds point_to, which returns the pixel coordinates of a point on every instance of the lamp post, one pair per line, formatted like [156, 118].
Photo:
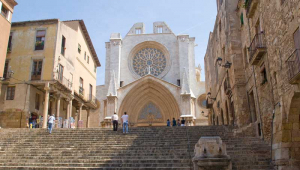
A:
[209, 94]
[226, 65]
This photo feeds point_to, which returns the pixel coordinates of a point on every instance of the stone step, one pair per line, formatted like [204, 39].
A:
[89, 168]
[142, 148]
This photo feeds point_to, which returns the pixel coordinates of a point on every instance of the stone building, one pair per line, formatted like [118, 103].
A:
[152, 77]
[6, 11]
[50, 69]
[252, 66]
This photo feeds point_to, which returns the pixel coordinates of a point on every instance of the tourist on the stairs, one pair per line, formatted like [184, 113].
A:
[178, 122]
[115, 119]
[50, 123]
[125, 122]
[183, 122]
[168, 122]
[174, 122]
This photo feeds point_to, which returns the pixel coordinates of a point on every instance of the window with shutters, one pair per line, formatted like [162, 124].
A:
[263, 73]
[91, 93]
[242, 19]
[63, 45]
[5, 12]
[37, 67]
[88, 59]
[10, 94]
[81, 90]
[5, 72]
[60, 72]
[40, 40]
[79, 48]
[9, 42]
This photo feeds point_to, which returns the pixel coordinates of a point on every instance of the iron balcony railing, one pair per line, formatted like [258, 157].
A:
[63, 80]
[293, 63]
[257, 43]
[92, 99]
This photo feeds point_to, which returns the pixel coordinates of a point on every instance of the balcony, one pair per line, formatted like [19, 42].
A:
[36, 75]
[257, 48]
[251, 6]
[293, 64]
[92, 101]
[39, 45]
[63, 81]
[227, 87]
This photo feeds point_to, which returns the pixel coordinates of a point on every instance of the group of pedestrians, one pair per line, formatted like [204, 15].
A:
[176, 123]
[115, 121]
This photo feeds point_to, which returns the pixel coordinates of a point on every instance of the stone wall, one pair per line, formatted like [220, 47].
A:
[260, 85]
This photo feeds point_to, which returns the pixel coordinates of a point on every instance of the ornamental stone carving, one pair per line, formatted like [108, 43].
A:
[150, 113]
[149, 61]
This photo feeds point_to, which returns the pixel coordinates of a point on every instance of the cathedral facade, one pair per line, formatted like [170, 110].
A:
[153, 78]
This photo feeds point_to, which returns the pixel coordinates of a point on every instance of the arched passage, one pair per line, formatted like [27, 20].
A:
[148, 91]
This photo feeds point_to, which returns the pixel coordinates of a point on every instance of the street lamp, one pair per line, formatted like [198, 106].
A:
[209, 94]
[226, 65]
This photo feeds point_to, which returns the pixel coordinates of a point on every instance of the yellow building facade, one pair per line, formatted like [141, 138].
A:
[50, 69]
[6, 11]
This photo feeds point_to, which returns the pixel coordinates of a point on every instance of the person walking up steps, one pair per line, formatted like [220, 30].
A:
[125, 122]
[174, 122]
[50, 123]
[115, 122]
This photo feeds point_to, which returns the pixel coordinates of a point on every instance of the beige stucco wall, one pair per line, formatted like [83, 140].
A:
[4, 33]
[22, 55]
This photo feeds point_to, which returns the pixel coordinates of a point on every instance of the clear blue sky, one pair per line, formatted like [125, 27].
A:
[103, 17]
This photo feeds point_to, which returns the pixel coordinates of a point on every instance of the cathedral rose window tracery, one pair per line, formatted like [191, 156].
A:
[149, 58]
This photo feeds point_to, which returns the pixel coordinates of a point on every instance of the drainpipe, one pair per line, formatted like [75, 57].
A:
[24, 106]
[254, 75]
[273, 116]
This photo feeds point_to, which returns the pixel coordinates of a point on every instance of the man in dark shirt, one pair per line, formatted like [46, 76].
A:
[183, 122]
[174, 122]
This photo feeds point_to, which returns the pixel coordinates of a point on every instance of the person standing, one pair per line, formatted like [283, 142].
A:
[178, 122]
[125, 122]
[174, 122]
[115, 119]
[50, 123]
[168, 123]
[183, 122]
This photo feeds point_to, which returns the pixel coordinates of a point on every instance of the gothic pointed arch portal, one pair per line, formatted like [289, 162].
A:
[149, 103]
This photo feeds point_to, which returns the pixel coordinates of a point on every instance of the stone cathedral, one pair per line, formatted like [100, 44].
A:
[152, 77]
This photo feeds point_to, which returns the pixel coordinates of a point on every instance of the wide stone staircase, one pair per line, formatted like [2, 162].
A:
[143, 148]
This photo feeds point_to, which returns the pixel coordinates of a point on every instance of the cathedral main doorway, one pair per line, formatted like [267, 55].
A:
[149, 103]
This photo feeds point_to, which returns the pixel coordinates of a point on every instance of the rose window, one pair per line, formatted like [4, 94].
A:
[149, 60]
